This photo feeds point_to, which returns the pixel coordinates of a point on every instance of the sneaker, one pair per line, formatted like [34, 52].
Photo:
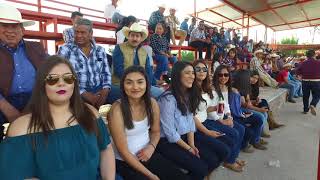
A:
[259, 146]
[304, 112]
[291, 101]
[313, 110]
[248, 149]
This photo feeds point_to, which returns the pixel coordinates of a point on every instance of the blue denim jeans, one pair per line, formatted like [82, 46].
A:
[233, 138]
[162, 64]
[290, 87]
[297, 87]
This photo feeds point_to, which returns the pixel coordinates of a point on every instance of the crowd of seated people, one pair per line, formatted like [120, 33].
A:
[203, 120]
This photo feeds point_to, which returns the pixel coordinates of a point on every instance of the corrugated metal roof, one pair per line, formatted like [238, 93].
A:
[276, 14]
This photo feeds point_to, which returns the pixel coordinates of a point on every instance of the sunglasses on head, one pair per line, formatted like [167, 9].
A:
[53, 79]
[223, 74]
[199, 69]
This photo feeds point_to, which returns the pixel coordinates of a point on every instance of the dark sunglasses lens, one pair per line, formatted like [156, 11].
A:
[69, 79]
[52, 80]
[224, 74]
[199, 69]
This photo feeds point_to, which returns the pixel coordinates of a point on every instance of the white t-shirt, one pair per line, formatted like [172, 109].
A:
[214, 115]
[110, 10]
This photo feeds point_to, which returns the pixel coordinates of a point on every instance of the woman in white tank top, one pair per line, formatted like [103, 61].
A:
[134, 123]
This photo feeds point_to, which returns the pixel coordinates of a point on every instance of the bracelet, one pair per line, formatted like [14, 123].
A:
[152, 145]
[189, 149]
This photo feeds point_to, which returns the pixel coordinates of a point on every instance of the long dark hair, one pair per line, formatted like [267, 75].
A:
[254, 87]
[41, 118]
[125, 105]
[206, 84]
[235, 52]
[185, 102]
[242, 82]
[216, 83]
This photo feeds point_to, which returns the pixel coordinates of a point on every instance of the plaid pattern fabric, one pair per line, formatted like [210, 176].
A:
[68, 35]
[197, 33]
[159, 44]
[92, 71]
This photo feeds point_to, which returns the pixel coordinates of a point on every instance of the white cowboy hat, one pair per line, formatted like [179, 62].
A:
[162, 6]
[258, 51]
[274, 55]
[135, 27]
[11, 15]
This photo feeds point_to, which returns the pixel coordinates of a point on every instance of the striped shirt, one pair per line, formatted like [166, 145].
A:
[92, 71]
[68, 35]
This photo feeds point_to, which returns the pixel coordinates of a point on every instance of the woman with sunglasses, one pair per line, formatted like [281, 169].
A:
[178, 142]
[215, 127]
[134, 123]
[60, 137]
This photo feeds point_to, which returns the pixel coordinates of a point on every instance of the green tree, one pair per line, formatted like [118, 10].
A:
[291, 40]
[187, 56]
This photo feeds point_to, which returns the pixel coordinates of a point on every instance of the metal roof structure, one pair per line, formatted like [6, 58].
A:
[277, 15]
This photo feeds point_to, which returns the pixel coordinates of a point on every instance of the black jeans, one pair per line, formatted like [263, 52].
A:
[307, 88]
[197, 168]
[157, 164]
[200, 46]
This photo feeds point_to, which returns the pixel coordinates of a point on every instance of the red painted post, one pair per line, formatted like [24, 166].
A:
[248, 26]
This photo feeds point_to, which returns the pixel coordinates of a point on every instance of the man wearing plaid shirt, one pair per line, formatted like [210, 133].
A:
[91, 65]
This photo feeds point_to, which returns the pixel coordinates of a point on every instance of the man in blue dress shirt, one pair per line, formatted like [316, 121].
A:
[19, 61]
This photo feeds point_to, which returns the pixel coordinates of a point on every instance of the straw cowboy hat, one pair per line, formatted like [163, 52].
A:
[258, 51]
[11, 15]
[135, 27]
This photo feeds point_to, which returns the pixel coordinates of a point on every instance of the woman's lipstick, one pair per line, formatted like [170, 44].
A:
[61, 92]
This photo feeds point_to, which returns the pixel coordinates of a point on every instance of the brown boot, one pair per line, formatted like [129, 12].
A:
[272, 123]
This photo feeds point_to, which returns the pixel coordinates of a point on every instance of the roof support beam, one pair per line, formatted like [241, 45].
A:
[277, 7]
[214, 7]
[265, 2]
[296, 22]
[226, 17]
[242, 11]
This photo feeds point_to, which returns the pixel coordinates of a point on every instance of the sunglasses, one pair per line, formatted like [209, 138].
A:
[223, 74]
[199, 69]
[53, 79]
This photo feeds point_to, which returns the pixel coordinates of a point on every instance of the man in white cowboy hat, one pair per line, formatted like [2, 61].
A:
[172, 22]
[90, 62]
[19, 60]
[283, 80]
[129, 53]
[156, 17]
[255, 64]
